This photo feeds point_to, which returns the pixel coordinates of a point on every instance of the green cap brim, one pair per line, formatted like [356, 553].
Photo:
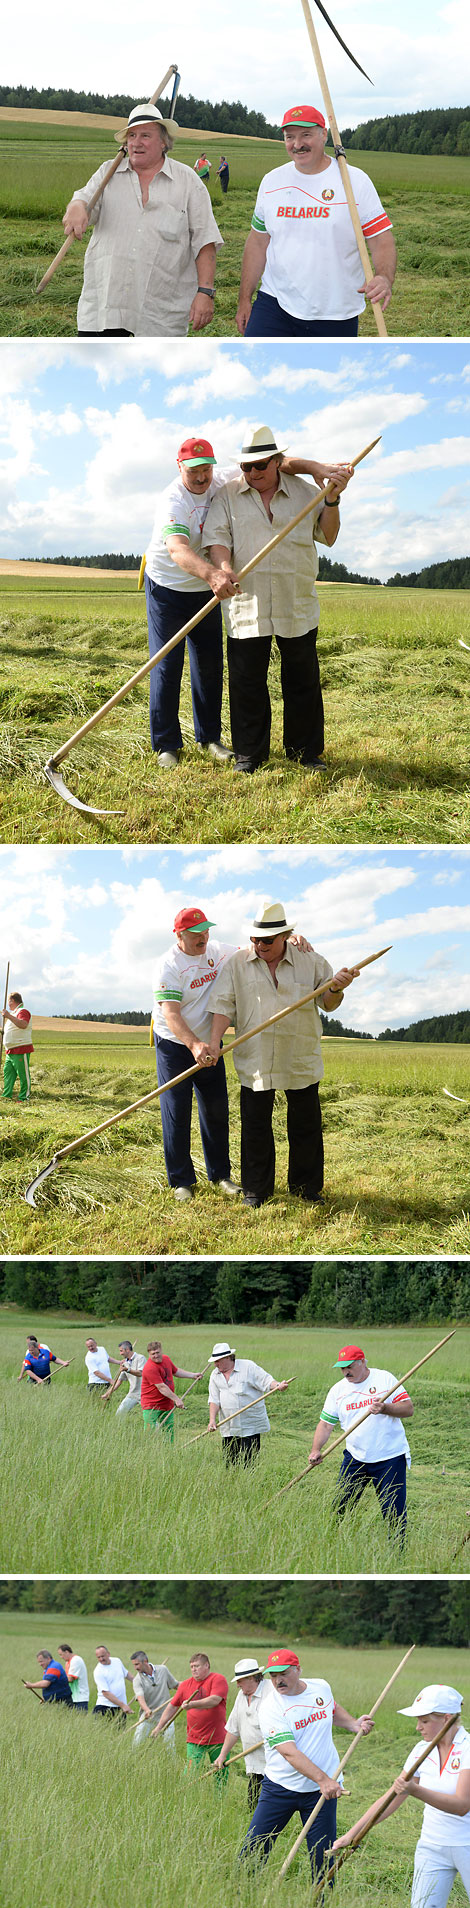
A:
[342, 1363]
[190, 462]
[200, 927]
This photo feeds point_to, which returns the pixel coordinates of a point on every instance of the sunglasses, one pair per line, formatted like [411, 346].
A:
[256, 463]
[263, 940]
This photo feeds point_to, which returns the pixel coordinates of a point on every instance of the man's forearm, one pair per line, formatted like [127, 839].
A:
[205, 265]
[253, 263]
[331, 1001]
[383, 253]
[188, 559]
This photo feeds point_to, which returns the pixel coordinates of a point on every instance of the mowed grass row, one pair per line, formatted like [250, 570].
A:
[42, 165]
[397, 698]
[124, 1501]
[135, 1825]
[396, 1159]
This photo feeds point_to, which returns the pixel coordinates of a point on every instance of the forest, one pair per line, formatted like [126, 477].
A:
[197, 1291]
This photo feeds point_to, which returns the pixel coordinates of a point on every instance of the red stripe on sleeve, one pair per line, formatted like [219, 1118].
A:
[380, 224]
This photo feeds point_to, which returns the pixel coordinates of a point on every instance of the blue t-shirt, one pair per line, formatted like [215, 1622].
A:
[57, 1688]
[40, 1361]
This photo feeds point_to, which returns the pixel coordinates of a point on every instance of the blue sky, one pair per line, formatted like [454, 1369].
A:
[83, 928]
[89, 435]
[416, 55]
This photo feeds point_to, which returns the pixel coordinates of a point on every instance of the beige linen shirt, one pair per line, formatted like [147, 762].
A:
[232, 1391]
[279, 597]
[140, 271]
[133, 1372]
[157, 1688]
[288, 1055]
[243, 1722]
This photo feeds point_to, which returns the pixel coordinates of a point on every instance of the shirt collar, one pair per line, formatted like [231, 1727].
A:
[125, 166]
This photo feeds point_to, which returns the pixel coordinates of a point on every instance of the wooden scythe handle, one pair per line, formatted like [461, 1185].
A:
[343, 164]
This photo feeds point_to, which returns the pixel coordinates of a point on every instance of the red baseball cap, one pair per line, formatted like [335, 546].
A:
[190, 921]
[196, 450]
[303, 116]
[282, 1659]
[348, 1354]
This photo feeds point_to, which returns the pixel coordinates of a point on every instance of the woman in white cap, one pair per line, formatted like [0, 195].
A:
[443, 1784]
[255, 983]
[150, 265]
[277, 599]
[234, 1383]
[243, 1726]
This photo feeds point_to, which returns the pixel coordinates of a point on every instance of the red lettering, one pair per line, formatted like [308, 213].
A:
[280, 211]
[201, 980]
[309, 213]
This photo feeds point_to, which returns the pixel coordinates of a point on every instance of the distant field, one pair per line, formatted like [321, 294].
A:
[134, 1827]
[396, 1177]
[42, 164]
[64, 1436]
[397, 701]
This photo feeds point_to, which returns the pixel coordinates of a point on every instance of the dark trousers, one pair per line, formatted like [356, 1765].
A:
[105, 334]
[250, 707]
[304, 1132]
[275, 1808]
[80, 1708]
[224, 179]
[241, 1450]
[389, 1481]
[167, 611]
[255, 1784]
[210, 1087]
[117, 1715]
[268, 320]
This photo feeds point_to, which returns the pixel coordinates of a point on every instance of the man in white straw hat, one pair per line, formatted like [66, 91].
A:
[255, 984]
[243, 1725]
[443, 1784]
[278, 599]
[150, 265]
[235, 1383]
[303, 247]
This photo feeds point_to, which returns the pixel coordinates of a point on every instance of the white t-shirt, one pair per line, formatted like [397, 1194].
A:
[313, 266]
[305, 1719]
[380, 1438]
[98, 1361]
[187, 981]
[110, 1676]
[79, 1687]
[181, 514]
[438, 1829]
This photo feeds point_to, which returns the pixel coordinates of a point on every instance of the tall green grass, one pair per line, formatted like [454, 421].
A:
[122, 1500]
[397, 697]
[125, 1824]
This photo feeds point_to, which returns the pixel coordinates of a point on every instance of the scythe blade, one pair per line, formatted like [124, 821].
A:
[60, 786]
[326, 16]
[33, 1187]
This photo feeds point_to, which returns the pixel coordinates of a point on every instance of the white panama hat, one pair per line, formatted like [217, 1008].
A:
[248, 1666]
[222, 1351]
[144, 115]
[259, 444]
[271, 920]
[437, 1699]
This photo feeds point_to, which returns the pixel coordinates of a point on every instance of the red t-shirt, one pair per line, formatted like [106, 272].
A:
[204, 1725]
[151, 1399]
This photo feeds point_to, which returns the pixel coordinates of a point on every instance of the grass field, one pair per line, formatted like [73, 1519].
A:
[397, 698]
[396, 1175]
[124, 1501]
[42, 164]
[132, 1826]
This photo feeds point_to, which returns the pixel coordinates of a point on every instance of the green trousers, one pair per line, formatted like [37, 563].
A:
[163, 1420]
[16, 1067]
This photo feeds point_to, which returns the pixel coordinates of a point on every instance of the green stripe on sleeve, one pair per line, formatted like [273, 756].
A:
[175, 530]
[287, 1736]
[167, 993]
[328, 1417]
[258, 225]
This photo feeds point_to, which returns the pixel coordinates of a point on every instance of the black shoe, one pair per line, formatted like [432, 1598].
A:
[251, 1199]
[243, 765]
[312, 1199]
[315, 763]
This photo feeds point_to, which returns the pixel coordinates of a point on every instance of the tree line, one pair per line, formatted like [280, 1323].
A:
[445, 1029]
[225, 116]
[329, 1292]
[435, 130]
[454, 574]
[358, 1613]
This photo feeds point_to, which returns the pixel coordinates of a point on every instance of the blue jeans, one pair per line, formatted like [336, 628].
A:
[268, 320]
[167, 611]
[210, 1087]
[389, 1481]
[275, 1807]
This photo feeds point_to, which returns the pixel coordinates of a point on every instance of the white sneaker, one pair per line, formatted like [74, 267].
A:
[229, 1187]
[166, 759]
[183, 1192]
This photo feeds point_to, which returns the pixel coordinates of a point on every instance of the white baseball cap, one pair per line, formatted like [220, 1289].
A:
[222, 1351]
[437, 1699]
[248, 1666]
